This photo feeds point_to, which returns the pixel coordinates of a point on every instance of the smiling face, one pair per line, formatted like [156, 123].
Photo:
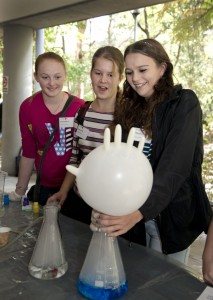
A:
[142, 73]
[105, 79]
[51, 75]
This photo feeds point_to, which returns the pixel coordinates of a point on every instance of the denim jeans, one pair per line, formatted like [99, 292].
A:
[153, 241]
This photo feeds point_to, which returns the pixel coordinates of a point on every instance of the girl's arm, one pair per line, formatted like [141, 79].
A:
[208, 257]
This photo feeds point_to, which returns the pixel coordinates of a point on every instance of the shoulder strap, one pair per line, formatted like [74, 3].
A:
[66, 106]
[80, 120]
[82, 112]
[63, 112]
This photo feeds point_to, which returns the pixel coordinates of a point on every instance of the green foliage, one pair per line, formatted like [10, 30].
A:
[196, 17]
[64, 40]
[77, 73]
[208, 159]
[208, 174]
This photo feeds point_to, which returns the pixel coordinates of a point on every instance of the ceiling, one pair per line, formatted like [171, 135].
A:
[39, 14]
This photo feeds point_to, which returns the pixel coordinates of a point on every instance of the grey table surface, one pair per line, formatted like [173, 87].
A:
[150, 275]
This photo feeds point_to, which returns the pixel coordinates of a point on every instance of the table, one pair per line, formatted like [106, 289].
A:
[150, 275]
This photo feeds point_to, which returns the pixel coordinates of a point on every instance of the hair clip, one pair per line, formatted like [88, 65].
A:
[147, 44]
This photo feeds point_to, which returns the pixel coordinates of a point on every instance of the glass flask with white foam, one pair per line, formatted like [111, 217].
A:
[48, 258]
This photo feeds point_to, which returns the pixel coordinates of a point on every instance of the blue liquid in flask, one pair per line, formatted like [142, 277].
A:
[98, 293]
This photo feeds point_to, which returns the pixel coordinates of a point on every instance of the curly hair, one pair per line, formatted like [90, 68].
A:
[133, 110]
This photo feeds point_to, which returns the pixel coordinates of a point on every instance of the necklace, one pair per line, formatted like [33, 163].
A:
[58, 106]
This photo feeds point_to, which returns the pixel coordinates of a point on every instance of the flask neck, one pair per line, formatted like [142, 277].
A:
[51, 213]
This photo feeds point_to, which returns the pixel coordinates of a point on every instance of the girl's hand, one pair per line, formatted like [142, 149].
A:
[114, 226]
[60, 197]
[208, 271]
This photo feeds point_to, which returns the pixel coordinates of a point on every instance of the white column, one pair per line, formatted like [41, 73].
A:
[39, 50]
[18, 69]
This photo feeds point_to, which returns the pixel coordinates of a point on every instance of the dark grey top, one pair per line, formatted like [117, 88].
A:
[150, 275]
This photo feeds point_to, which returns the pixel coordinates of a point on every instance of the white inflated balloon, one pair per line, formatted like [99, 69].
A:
[115, 178]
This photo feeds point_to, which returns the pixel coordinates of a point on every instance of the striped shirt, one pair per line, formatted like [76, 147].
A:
[94, 125]
[147, 149]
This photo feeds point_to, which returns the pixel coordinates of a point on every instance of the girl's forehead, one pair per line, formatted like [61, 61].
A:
[48, 65]
[103, 64]
[137, 56]
[135, 59]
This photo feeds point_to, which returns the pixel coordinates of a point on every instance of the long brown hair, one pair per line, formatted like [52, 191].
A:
[132, 109]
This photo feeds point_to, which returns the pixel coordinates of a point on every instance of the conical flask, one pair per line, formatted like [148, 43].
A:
[102, 276]
[48, 259]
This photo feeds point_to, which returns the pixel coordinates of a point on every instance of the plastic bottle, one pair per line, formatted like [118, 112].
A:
[6, 200]
[25, 201]
[35, 208]
[26, 205]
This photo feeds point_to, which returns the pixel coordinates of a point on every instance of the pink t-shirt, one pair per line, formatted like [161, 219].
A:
[36, 125]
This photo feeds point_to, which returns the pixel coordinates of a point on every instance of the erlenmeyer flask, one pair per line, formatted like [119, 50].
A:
[102, 276]
[48, 259]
